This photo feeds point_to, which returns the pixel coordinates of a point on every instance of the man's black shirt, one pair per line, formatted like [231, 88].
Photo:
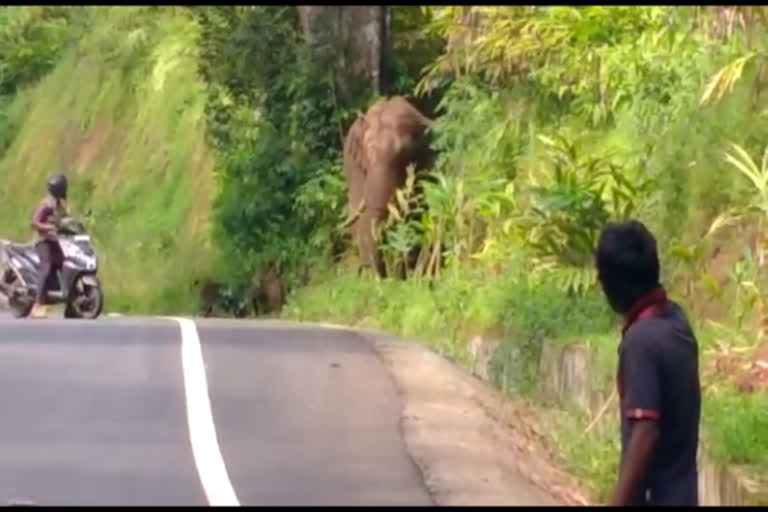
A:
[658, 379]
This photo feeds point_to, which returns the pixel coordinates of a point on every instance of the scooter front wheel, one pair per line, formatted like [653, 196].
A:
[87, 299]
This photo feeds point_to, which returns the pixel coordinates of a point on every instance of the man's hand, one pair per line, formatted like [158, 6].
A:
[48, 228]
[643, 439]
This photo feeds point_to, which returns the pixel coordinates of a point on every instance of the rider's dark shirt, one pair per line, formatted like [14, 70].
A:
[658, 379]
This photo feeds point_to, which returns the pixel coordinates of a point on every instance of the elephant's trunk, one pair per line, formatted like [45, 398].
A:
[367, 239]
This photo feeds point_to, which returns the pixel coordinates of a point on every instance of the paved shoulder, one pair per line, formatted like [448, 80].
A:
[306, 417]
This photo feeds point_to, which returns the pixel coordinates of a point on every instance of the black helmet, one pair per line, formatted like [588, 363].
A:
[57, 185]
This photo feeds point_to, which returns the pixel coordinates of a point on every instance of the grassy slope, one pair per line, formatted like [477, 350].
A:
[124, 115]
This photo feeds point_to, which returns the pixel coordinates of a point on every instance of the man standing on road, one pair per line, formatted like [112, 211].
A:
[658, 374]
[48, 213]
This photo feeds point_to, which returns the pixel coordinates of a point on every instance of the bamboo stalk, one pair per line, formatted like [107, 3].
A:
[601, 412]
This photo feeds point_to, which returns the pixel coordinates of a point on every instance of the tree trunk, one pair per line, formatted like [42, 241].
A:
[353, 40]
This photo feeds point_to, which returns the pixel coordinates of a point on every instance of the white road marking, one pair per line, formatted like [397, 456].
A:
[202, 431]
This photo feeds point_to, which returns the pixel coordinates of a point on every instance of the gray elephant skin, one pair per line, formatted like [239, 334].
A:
[378, 148]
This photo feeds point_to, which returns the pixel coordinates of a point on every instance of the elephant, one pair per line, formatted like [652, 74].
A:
[378, 148]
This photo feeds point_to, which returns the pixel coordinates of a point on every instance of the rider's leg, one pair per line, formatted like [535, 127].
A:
[57, 261]
[46, 266]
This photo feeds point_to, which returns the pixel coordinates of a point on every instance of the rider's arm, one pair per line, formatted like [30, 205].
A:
[39, 219]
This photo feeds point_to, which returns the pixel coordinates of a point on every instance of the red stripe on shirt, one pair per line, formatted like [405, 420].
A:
[642, 414]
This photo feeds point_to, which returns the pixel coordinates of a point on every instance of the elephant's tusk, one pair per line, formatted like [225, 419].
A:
[356, 215]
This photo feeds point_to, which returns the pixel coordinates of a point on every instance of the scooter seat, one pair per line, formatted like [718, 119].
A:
[19, 246]
[24, 251]
[23, 248]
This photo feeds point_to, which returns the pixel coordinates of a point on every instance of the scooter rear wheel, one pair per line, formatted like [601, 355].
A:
[20, 308]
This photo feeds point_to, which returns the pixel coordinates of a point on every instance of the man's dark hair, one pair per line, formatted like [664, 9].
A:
[627, 263]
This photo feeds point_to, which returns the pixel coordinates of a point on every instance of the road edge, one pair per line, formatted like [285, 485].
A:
[493, 477]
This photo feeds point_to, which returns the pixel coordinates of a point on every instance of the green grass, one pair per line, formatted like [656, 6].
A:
[736, 428]
[124, 114]
[593, 457]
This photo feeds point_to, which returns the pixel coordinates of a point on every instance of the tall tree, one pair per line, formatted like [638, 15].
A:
[354, 41]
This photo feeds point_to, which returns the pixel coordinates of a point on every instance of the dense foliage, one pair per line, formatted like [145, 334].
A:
[274, 118]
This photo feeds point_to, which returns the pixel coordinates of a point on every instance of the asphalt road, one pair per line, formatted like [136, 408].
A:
[132, 411]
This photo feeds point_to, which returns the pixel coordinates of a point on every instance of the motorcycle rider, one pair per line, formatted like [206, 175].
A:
[49, 212]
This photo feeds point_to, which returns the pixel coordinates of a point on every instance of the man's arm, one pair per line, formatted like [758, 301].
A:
[639, 452]
[39, 220]
[641, 406]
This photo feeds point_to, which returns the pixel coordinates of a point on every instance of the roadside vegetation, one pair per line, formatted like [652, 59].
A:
[207, 143]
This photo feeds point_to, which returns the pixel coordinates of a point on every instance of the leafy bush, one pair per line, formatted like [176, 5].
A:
[31, 40]
[569, 209]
